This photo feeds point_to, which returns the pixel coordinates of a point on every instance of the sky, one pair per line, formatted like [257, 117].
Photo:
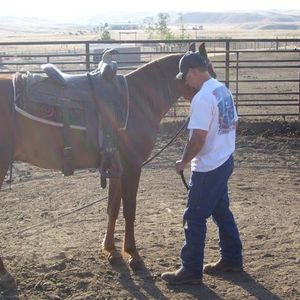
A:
[75, 8]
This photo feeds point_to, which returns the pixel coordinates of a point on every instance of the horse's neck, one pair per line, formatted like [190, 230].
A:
[149, 92]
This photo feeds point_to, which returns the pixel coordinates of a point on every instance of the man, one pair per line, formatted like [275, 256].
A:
[212, 126]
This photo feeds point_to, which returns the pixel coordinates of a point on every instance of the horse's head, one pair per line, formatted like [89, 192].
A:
[178, 87]
[156, 83]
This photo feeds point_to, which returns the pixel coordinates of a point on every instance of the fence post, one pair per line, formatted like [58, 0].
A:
[227, 57]
[87, 56]
[237, 82]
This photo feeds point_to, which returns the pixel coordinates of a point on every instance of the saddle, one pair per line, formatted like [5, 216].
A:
[86, 101]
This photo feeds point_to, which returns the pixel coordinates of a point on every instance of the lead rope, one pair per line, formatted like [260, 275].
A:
[96, 201]
[168, 144]
[183, 180]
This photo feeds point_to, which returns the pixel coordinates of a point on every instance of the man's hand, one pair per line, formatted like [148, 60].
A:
[192, 148]
[179, 166]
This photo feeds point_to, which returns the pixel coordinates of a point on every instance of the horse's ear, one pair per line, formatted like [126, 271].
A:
[202, 51]
[192, 47]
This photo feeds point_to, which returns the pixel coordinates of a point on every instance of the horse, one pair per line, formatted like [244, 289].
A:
[152, 91]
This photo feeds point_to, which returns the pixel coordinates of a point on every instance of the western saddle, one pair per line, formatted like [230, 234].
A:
[88, 100]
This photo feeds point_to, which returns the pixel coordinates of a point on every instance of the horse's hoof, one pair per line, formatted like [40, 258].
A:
[135, 263]
[113, 256]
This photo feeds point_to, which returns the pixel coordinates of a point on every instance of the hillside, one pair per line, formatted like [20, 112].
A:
[286, 20]
[247, 20]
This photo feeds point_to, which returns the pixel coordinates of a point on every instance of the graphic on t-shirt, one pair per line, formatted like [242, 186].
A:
[226, 109]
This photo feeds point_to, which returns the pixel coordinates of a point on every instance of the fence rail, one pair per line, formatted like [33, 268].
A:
[263, 74]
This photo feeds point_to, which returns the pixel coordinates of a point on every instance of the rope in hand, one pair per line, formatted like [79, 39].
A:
[183, 180]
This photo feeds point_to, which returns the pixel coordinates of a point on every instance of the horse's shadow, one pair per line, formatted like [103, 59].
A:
[249, 284]
[142, 280]
[10, 292]
[146, 281]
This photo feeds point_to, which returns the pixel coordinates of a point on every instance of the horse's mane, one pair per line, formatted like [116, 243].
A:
[148, 67]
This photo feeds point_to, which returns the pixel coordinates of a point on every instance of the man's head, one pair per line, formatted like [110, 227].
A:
[191, 60]
[193, 68]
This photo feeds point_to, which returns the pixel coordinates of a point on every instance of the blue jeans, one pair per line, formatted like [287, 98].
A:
[208, 196]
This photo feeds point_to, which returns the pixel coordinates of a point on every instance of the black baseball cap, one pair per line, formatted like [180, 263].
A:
[190, 60]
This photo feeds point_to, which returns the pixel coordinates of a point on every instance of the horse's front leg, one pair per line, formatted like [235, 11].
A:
[130, 181]
[114, 202]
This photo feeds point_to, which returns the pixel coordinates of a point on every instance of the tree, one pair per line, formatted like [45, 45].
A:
[183, 34]
[105, 34]
[162, 28]
[149, 28]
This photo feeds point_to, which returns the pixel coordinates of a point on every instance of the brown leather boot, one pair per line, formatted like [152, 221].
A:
[220, 267]
[181, 276]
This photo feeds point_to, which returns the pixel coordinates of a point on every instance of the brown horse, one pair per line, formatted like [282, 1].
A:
[152, 89]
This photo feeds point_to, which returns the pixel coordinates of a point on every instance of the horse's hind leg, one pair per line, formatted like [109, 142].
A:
[114, 202]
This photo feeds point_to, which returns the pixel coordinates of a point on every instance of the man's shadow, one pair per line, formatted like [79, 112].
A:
[200, 291]
[249, 284]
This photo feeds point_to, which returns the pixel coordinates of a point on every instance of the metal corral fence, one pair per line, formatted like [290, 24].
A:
[263, 74]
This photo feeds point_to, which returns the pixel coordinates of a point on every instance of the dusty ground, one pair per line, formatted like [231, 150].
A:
[62, 260]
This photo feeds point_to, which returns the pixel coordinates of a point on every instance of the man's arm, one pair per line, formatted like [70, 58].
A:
[192, 148]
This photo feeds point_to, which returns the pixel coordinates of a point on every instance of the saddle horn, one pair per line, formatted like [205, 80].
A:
[107, 66]
[107, 55]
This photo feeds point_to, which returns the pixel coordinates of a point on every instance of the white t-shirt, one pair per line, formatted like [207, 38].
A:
[213, 110]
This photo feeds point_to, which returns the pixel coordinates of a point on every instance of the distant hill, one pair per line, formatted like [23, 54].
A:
[279, 26]
[247, 20]
[239, 17]
[272, 20]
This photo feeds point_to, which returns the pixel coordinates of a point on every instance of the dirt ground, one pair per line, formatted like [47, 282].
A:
[62, 260]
